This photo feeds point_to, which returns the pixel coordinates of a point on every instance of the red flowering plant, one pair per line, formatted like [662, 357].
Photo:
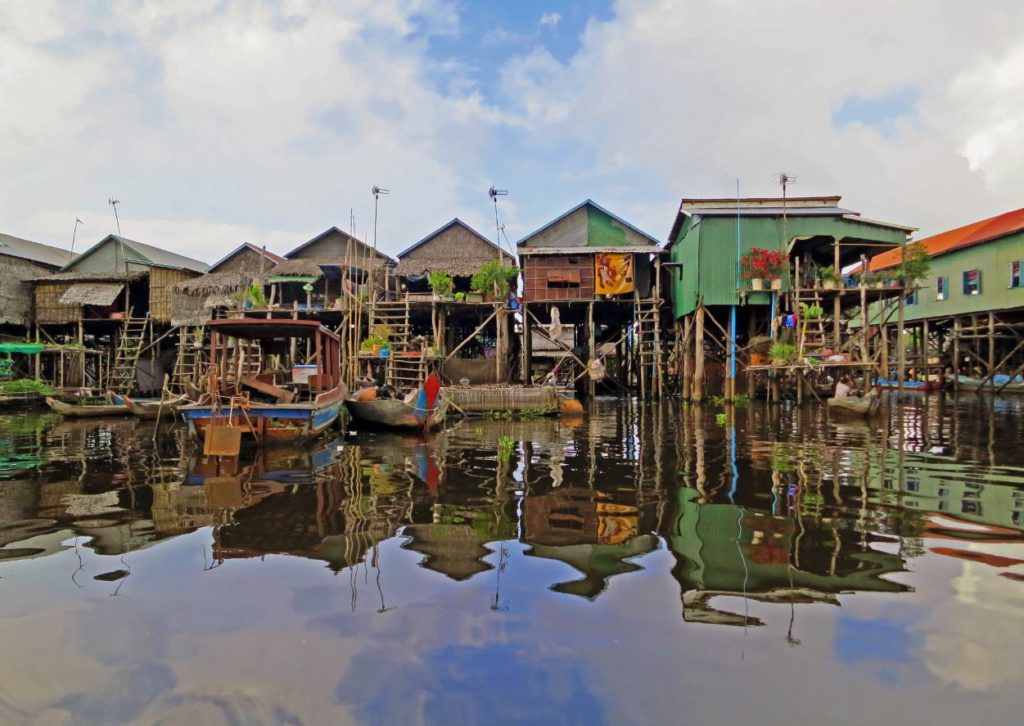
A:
[762, 264]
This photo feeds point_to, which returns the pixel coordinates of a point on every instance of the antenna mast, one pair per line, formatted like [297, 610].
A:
[113, 203]
[377, 191]
[494, 194]
[74, 234]
[784, 179]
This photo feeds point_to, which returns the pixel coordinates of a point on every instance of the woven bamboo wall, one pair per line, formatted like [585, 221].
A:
[48, 307]
[161, 291]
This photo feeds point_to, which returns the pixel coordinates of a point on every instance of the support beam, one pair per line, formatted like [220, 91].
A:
[698, 356]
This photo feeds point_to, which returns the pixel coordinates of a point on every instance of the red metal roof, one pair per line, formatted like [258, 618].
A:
[971, 234]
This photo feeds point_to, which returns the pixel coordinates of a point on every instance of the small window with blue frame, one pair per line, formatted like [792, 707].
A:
[1015, 273]
[972, 282]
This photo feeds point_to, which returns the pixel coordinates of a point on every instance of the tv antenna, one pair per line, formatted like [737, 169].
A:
[784, 179]
[377, 191]
[74, 234]
[113, 203]
[494, 194]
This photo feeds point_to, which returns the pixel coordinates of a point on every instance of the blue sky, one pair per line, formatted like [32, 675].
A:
[267, 121]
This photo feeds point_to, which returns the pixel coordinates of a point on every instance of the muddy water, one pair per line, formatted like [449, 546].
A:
[640, 564]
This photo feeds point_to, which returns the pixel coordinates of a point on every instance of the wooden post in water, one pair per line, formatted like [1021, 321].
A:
[956, 354]
[991, 344]
[730, 381]
[686, 356]
[698, 356]
[591, 348]
[836, 303]
[901, 351]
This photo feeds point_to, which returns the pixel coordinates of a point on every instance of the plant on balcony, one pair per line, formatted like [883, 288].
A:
[830, 279]
[782, 353]
[915, 266]
[440, 282]
[494, 279]
[759, 265]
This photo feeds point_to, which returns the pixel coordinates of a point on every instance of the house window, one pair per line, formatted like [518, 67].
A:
[563, 278]
[912, 298]
[1015, 273]
[941, 287]
[972, 282]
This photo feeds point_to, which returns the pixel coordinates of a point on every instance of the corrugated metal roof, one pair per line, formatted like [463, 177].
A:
[976, 233]
[595, 205]
[154, 256]
[103, 294]
[768, 211]
[34, 251]
[634, 249]
[367, 249]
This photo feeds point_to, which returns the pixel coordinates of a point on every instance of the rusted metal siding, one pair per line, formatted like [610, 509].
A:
[538, 270]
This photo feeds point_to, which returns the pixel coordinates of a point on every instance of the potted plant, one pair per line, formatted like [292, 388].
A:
[830, 279]
[760, 264]
[460, 296]
[782, 353]
[813, 312]
[441, 283]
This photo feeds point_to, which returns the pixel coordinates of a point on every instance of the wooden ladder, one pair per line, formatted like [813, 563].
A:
[812, 332]
[188, 363]
[130, 342]
[401, 371]
[647, 341]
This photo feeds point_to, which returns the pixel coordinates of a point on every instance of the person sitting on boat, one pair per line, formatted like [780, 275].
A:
[843, 387]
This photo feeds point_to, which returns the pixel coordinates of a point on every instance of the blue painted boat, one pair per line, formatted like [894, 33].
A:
[265, 409]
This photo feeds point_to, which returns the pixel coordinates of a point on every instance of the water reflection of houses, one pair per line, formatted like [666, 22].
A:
[731, 550]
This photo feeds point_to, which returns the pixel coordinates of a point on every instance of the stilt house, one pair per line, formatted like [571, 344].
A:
[199, 299]
[20, 262]
[601, 274]
[723, 319]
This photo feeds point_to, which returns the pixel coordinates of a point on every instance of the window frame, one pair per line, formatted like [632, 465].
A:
[977, 282]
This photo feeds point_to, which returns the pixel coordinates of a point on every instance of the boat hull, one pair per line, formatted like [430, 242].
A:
[266, 423]
[149, 408]
[392, 413]
[855, 405]
[72, 410]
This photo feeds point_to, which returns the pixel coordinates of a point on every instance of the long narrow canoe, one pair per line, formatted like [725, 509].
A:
[866, 405]
[148, 408]
[90, 410]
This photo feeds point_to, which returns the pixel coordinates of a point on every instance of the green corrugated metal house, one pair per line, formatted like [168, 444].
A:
[974, 269]
[709, 236]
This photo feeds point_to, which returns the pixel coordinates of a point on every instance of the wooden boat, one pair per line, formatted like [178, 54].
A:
[149, 408]
[422, 409]
[923, 386]
[866, 405]
[91, 408]
[264, 408]
[1001, 383]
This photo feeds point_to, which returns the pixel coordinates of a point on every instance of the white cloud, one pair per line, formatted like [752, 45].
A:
[550, 19]
[265, 120]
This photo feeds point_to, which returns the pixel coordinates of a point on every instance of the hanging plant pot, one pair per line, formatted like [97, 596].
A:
[756, 283]
[776, 283]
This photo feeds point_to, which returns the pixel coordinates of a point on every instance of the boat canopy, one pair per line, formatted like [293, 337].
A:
[263, 329]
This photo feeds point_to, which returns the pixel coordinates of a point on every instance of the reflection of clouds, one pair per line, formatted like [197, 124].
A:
[974, 638]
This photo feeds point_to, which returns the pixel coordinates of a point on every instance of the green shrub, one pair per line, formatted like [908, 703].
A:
[440, 282]
[494, 277]
[782, 353]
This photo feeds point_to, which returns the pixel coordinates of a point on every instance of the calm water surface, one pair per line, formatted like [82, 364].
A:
[642, 564]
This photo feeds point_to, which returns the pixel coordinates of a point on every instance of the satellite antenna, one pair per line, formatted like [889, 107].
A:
[74, 234]
[377, 191]
[113, 203]
[494, 194]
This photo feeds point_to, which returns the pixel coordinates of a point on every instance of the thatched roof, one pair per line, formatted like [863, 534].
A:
[92, 293]
[214, 283]
[75, 276]
[303, 267]
[455, 248]
[453, 266]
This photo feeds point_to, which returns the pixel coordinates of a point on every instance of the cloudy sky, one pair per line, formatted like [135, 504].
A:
[218, 122]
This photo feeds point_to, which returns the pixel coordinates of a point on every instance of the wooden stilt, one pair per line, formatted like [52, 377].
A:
[698, 356]
[687, 356]
[591, 347]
